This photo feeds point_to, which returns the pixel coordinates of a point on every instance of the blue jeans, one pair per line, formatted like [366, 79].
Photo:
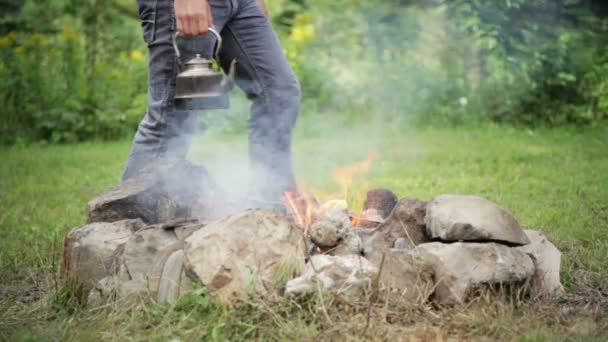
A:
[262, 72]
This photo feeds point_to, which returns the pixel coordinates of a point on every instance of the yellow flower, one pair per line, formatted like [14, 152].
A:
[19, 50]
[8, 39]
[115, 74]
[136, 55]
[302, 33]
[36, 39]
[69, 33]
[303, 18]
[4, 41]
[291, 53]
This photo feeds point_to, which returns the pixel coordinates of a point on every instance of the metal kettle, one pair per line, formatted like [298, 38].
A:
[199, 85]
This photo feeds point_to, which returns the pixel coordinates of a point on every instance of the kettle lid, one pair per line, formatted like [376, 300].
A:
[198, 60]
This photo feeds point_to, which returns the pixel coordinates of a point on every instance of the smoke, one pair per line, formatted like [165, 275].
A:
[361, 89]
[370, 75]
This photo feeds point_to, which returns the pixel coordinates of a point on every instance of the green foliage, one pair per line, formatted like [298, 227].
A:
[78, 75]
[541, 61]
[521, 61]
[76, 70]
[536, 174]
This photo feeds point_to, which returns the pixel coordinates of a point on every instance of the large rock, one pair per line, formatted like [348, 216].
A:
[163, 192]
[88, 250]
[405, 224]
[244, 252]
[461, 267]
[547, 260]
[349, 275]
[147, 265]
[405, 276]
[471, 218]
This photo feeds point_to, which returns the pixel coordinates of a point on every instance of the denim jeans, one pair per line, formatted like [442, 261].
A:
[262, 72]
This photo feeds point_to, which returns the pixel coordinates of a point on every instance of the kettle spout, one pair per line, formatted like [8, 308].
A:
[228, 82]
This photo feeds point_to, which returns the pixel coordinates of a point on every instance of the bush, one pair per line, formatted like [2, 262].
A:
[521, 61]
[61, 84]
[75, 70]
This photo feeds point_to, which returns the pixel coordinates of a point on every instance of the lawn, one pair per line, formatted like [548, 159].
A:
[553, 180]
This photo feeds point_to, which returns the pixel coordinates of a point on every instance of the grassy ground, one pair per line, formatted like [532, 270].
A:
[552, 180]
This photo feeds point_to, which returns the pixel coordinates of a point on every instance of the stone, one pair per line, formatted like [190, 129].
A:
[138, 256]
[349, 244]
[349, 276]
[173, 281]
[166, 191]
[333, 231]
[126, 293]
[402, 243]
[382, 200]
[464, 266]
[88, 250]
[406, 222]
[243, 253]
[331, 227]
[405, 276]
[472, 218]
[547, 260]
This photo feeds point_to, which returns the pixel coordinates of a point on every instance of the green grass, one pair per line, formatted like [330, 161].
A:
[554, 180]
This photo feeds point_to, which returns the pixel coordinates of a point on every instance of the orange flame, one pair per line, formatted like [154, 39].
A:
[344, 176]
[305, 209]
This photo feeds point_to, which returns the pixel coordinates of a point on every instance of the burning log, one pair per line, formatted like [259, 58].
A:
[382, 201]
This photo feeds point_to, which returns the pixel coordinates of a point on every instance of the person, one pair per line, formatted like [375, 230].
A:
[262, 72]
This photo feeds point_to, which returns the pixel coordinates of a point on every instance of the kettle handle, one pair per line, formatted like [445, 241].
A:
[218, 46]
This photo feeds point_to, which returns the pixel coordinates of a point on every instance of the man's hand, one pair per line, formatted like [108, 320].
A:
[193, 17]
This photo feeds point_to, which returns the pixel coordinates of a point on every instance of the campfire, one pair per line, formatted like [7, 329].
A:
[151, 237]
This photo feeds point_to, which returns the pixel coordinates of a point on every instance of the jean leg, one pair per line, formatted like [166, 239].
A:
[165, 133]
[265, 75]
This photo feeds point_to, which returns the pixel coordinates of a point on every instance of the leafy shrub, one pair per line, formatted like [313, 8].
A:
[75, 70]
[61, 84]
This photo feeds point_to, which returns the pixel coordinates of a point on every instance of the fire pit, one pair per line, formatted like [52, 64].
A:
[148, 237]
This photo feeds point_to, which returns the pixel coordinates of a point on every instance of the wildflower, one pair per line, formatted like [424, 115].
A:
[4, 41]
[304, 18]
[69, 33]
[136, 55]
[116, 74]
[463, 101]
[36, 39]
[302, 33]
[291, 53]
[8, 39]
